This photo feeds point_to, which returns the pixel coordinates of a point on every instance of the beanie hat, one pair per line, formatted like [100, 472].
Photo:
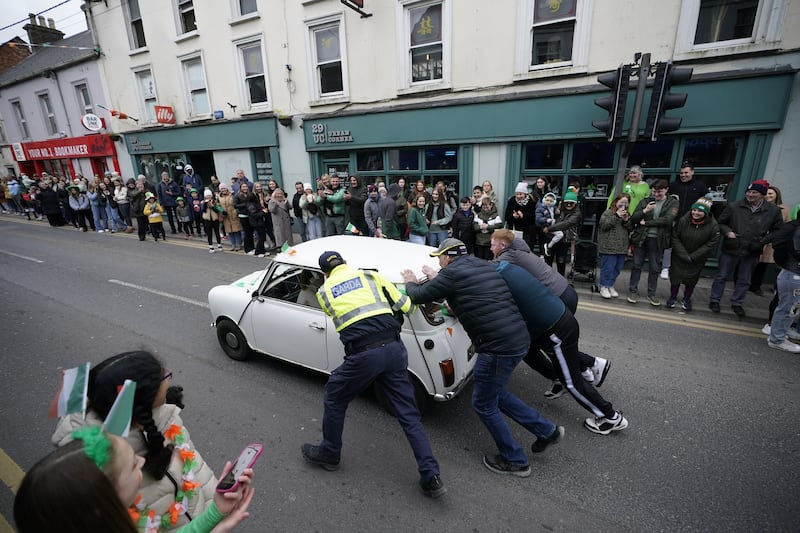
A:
[571, 197]
[207, 194]
[703, 204]
[550, 195]
[307, 186]
[521, 187]
[223, 187]
[759, 186]
[180, 199]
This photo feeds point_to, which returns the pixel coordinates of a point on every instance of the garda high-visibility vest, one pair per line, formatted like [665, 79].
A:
[350, 295]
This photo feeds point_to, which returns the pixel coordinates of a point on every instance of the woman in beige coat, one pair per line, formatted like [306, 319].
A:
[230, 221]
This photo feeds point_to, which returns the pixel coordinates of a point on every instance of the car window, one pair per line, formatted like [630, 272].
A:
[295, 285]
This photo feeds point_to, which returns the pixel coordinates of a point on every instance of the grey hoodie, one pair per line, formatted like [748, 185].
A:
[518, 253]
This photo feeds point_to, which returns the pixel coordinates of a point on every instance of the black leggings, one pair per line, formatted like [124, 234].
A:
[209, 226]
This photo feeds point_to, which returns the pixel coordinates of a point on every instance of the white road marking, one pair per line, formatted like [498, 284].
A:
[159, 293]
[25, 257]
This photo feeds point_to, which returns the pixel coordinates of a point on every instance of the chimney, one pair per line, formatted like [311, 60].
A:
[39, 32]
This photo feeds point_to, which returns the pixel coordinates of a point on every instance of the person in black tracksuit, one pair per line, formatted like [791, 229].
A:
[554, 330]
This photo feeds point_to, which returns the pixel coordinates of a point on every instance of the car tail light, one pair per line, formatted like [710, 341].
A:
[448, 372]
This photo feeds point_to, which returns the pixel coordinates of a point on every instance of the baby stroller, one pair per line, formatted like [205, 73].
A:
[584, 264]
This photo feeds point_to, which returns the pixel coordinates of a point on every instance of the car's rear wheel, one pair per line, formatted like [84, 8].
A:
[421, 396]
[232, 340]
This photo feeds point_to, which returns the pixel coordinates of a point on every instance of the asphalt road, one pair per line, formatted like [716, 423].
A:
[712, 443]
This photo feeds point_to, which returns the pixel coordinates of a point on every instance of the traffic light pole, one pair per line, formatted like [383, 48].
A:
[633, 132]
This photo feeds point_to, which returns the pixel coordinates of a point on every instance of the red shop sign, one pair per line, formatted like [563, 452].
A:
[70, 148]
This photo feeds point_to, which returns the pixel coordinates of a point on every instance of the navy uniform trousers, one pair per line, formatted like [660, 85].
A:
[386, 365]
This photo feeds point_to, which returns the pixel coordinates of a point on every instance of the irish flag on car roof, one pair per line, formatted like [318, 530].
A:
[71, 396]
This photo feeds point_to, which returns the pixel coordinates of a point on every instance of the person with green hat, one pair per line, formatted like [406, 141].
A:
[183, 215]
[694, 238]
[568, 221]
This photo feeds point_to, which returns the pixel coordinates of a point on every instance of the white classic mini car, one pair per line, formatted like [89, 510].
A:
[275, 312]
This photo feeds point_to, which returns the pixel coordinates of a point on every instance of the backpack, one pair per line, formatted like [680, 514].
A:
[783, 243]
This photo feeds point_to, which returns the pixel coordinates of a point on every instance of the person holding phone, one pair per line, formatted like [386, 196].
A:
[93, 483]
[613, 243]
[651, 226]
[362, 304]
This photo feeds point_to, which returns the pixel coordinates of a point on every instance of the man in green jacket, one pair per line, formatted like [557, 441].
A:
[652, 229]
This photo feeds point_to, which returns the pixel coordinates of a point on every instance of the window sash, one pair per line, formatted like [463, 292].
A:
[84, 98]
[247, 6]
[328, 56]
[47, 111]
[725, 20]
[186, 14]
[147, 91]
[196, 85]
[255, 81]
[23, 124]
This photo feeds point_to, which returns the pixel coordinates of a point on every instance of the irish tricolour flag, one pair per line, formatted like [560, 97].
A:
[71, 397]
[118, 421]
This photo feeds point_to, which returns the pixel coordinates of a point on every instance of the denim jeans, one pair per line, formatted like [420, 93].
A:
[314, 228]
[744, 269]
[436, 237]
[100, 217]
[649, 249]
[788, 286]
[416, 239]
[610, 267]
[114, 220]
[491, 400]
[387, 366]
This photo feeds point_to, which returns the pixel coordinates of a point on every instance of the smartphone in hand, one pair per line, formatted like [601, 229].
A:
[245, 460]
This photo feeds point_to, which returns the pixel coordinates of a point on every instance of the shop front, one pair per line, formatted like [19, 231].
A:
[90, 155]
[727, 130]
[216, 148]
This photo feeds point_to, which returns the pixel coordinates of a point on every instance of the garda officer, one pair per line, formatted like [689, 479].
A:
[361, 304]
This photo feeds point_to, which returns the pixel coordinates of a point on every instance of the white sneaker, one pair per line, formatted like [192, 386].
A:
[767, 329]
[600, 370]
[588, 375]
[786, 346]
[211, 250]
[614, 294]
[664, 273]
[603, 426]
[605, 293]
[219, 247]
[794, 335]
[251, 252]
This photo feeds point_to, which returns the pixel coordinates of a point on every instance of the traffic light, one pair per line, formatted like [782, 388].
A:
[618, 82]
[661, 99]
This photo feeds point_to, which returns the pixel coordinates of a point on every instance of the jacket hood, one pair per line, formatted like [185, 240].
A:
[518, 244]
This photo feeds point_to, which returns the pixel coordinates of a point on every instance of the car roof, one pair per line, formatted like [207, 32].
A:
[389, 257]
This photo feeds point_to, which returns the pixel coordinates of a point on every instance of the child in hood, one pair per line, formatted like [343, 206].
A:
[153, 212]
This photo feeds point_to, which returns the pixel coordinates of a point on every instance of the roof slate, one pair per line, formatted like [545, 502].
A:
[50, 58]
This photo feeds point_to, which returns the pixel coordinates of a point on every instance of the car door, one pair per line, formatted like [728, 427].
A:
[287, 321]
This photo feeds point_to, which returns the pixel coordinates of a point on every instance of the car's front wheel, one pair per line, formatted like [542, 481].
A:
[232, 340]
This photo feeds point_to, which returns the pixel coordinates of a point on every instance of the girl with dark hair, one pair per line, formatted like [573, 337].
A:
[85, 486]
[440, 215]
[177, 483]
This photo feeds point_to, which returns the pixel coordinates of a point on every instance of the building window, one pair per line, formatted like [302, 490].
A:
[48, 114]
[426, 42]
[328, 50]
[135, 26]
[725, 20]
[263, 164]
[245, 7]
[251, 64]
[186, 16]
[146, 87]
[719, 27]
[553, 31]
[21, 122]
[195, 80]
[84, 98]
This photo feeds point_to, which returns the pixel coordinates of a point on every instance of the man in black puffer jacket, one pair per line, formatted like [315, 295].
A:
[480, 298]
